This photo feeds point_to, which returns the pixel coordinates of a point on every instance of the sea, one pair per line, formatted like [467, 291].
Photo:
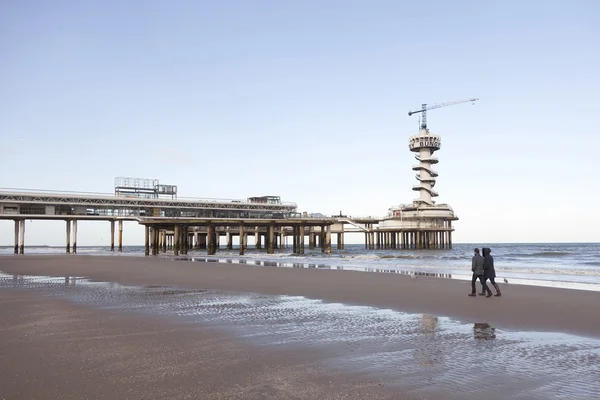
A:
[566, 265]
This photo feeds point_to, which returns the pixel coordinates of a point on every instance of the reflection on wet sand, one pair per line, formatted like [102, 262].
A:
[432, 356]
[483, 330]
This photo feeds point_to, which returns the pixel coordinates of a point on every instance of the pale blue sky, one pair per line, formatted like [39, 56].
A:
[308, 100]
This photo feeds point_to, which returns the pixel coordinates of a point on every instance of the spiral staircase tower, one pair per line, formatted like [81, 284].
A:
[425, 144]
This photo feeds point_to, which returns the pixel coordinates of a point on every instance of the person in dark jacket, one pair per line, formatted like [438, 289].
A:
[489, 273]
[477, 268]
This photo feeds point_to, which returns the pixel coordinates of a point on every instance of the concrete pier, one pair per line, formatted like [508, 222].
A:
[22, 237]
[241, 239]
[271, 239]
[68, 237]
[120, 236]
[74, 236]
[112, 236]
[17, 223]
[146, 240]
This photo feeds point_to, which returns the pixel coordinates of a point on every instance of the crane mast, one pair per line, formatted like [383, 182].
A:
[425, 108]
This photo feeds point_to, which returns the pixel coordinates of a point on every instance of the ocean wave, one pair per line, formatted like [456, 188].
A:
[592, 263]
[540, 254]
[419, 257]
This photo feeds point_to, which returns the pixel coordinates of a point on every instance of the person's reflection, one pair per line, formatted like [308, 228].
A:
[428, 350]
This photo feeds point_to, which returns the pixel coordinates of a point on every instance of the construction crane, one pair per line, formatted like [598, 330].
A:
[424, 109]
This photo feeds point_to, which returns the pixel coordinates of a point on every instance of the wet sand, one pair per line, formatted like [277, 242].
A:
[65, 338]
[55, 349]
[521, 307]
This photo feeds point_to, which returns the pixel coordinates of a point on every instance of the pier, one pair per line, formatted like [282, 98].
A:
[177, 225]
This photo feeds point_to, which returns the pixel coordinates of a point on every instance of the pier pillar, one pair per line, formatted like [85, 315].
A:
[340, 241]
[196, 241]
[271, 239]
[74, 236]
[311, 237]
[17, 223]
[22, 237]
[112, 236]
[176, 240]
[301, 238]
[322, 239]
[68, 237]
[146, 240]
[294, 239]
[366, 240]
[256, 238]
[228, 244]
[241, 239]
[164, 242]
[120, 236]
[152, 240]
[328, 240]
[210, 239]
[185, 239]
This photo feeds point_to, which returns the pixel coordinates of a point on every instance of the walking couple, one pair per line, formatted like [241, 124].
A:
[483, 269]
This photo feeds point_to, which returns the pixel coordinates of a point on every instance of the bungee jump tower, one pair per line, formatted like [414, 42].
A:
[422, 224]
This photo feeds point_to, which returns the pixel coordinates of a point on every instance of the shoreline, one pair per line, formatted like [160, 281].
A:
[527, 308]
[534, 280]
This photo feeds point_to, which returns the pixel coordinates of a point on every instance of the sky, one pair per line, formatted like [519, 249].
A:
[308, 100]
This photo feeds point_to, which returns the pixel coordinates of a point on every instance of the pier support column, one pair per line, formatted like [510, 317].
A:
[185, 239]
[295, 239]
[146, 240]
[153, 240]
[228, 240]
[165, 239]
[311, 238]
[271, 239]
[112, 236]
[340, 241]
[241, 239]
[17, 223]
[328, 240]
[68, 237]
[120, 236]
[196, 241]
[22, 237]
[256, 238]
[210, 239]
[301, 239]
[176, 240]
[74, 236]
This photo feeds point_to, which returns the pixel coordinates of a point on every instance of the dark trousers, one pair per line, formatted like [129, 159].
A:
[481, 280]
[485, 287]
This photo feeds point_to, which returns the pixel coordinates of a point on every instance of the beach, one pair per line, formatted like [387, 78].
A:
[56, 346]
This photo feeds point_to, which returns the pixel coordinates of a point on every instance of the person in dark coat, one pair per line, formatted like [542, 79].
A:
[489, 273]
[477, 268]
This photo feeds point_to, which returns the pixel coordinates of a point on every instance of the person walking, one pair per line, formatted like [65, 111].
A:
[489, 273]
[477, 268]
